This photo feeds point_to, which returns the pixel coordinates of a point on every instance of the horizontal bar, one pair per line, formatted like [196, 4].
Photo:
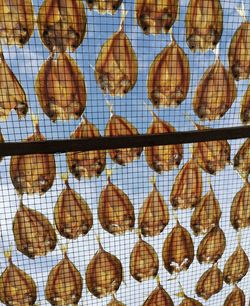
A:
[104, 143]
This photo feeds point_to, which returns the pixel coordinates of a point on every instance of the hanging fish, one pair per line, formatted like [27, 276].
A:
[33, 233]
[238, 53]
[187, 301]
[178, 250]
[240, 209]
[115, 302]
[72, 214]
[236, 267]
[119, 126]
[12, 94]
[241, 160]
[215, 93]
[86, 164]
[16, 286]
[204, 24]
[115, 210]
[104, 6]
[169, 77]
[116, 67]
[236, 297]
[60, 88]
[64, 283]
[144, 262]
[212, 246]
[155, 17]
[104, 273]
[166, 157]
[153, 215]
[62, 24]
[245, 107]
[33, 173]
[187, 188]
[210, 283]
[211, 156]
[17, 22]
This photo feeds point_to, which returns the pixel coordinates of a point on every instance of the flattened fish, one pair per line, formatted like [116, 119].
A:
[159, 297]
[62, 24]
[245, 107]
[104, 6]
[169, 77]
[187, 301]
[155, 17]
[12, 94]
[115, 302]
[236, 297]
[241, 160]
[60, 88]
[17, 22]
[86, 164]
[215, 93]
[204, 24]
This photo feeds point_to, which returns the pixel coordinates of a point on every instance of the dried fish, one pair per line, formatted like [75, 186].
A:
[116, 67]
[115, 210]
[33, 233]
[211, 156]
[64, 284]
[242, 160]
[115, 302]
[169, 77]
[236, 267]
[33, 173]
[62, 24]
[162, 158]
[238, 53]
[17, 22]
[204, 24]
[187, 188]
[153, 215]
[206, 215]
[104, 6]
[12, 94]
[72, 214]
[104, 273]
[215, 93]
[178, 250]
[60, 88]
[144, 262]
[245, 107]
[240, 209]
[187, 301]
[236, 297]
[1, 141]
[16, 286]
[210, 283]
[119, 126]
[212, 246]
[155, 17]
[159, 297]
[86, 164]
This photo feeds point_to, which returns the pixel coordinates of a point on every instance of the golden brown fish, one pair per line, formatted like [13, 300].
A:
[241, 160]
[17, 22]
[238, 53]
[72, 214]
[215, 93]
[116, 67]
[33, 173]
[119, 126]
[33, 233]
[204, 24]
[115, 302]
[62, 24]
[60, 88]
[155, 17]
[86, 164]
[187, 188]
[211, 156]
[187, 301]
[12, 94]
[245, 107]
[104, 6]
[169, 77]
[115, 210]
[162, 158]
[64, 284]
[236, 297]
[104, 274]
[178, 250]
